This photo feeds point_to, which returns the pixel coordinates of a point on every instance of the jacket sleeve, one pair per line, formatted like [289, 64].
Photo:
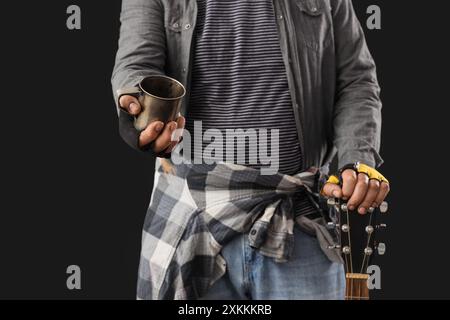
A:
[141, 52]
[357, 112]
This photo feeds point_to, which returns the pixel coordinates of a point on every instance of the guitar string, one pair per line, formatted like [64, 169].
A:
[366, 261]
[339, 234]
[366, 256]
[346, 271]
[348, 289]
[360, 290]
[340, 242]
[346, 258]
[367, 244]
[350, 245]
[349, 265]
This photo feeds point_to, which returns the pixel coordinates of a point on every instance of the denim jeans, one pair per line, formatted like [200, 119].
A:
[307, 275]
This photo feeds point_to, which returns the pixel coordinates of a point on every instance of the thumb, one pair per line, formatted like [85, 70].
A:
[130, 104]
[332, 190]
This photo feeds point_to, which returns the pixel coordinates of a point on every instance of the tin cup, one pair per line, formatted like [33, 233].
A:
[160, 98]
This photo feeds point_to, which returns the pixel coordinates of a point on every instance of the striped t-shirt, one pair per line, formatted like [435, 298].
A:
[239, 78]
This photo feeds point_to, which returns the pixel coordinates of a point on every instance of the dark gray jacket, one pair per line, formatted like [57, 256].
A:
[330, 70]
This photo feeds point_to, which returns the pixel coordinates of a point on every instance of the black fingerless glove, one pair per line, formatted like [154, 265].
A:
[131, 135]
[128, 132]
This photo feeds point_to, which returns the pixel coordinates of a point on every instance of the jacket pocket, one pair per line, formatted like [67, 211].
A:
[314, 24]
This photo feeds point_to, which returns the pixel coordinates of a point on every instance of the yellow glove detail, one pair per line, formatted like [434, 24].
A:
[371, 172]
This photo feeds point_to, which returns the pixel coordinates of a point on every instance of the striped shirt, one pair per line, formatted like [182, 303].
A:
[239, 79]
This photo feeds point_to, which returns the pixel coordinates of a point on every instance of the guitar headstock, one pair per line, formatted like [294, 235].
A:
[358, 243]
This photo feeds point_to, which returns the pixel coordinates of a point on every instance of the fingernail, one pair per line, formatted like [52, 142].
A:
[159, 127]
[173, 126]
[374, 205]
[133, 107]
[362, 210]
[351, 208]
[336, 193]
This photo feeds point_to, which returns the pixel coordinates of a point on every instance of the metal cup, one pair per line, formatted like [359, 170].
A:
[160, 98]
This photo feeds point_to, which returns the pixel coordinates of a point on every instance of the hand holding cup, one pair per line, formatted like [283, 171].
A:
[155, 105]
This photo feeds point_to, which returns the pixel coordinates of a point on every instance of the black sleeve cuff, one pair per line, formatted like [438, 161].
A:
[131, 135]
[128, 132]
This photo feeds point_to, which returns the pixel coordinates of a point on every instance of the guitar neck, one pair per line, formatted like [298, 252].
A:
[356, 286]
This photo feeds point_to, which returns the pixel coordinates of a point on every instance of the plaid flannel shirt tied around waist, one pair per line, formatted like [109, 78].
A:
[197, 209]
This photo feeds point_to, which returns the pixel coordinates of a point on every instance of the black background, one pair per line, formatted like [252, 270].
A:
[74, 193]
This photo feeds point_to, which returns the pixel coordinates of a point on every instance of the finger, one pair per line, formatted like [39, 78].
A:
[349, 179]
[165, 138]
[130, 104]
[171, 146]
[181, 121]
[175, 139]
[178, 133]
[360, 191]
[177, 136]
[332, 190]
[150, 133]
[384, 190]
[372, 192]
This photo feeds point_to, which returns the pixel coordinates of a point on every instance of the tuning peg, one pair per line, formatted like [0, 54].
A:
[345, 228]
[332, 225]
[381, 248]
[331, 202]
[369, 229]
[384, 207]
[346, 250]
[334, 202]
[334, 246]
